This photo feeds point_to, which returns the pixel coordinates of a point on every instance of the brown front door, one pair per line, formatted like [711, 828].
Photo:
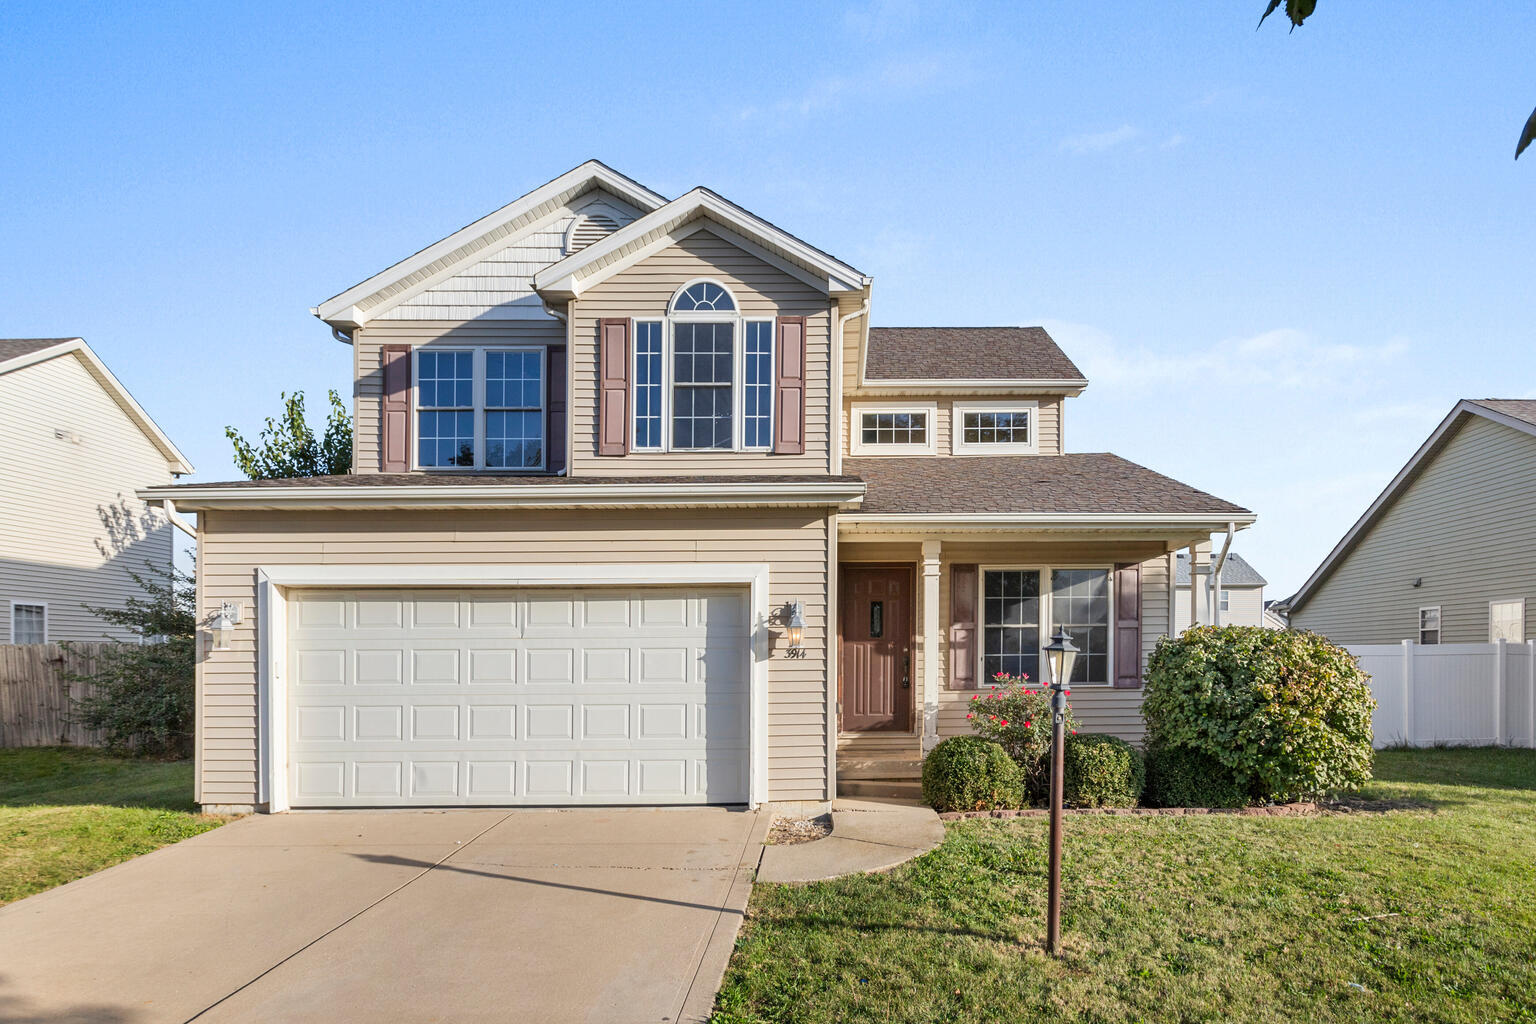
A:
[876, 614]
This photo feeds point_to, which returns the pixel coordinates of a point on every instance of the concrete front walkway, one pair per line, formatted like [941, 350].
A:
[867, 835]
[574, 915]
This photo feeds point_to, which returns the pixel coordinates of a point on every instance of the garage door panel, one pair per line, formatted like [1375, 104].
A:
[589, 696]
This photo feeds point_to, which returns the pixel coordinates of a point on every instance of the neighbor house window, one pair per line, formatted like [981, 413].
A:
[1429, 625]
[29, 623]
[1506, 621]
[1021, 608]
[1226, 600]
[994, 428]
[480, 408]
[703, 377]
[887, 429]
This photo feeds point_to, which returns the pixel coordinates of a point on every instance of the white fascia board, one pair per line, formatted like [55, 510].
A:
[1399, 483]
[531, 496]
[341, 308]
[174, 459]
[986, 522]
[566, 278]
[1071, 386]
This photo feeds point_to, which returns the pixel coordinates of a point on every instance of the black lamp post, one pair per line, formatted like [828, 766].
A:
[1061, 653]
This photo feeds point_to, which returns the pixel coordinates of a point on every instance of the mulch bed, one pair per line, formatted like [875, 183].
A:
[1271, 811]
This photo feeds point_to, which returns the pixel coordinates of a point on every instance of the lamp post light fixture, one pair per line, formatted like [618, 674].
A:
[1061, 653]
[794, 623]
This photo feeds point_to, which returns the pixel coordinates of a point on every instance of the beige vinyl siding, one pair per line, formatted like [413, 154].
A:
[1246, 607]
[1047, 417]
[71, 530]
[1466, 526]
[643, 291]
[368, 384]
[1097, 708]
[795, 544]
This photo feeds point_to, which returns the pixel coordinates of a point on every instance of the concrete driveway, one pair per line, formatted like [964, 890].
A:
[530, 915]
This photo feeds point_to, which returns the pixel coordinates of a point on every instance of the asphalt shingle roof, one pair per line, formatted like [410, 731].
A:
[10, 348]
[966, 353]
[1065, 484]
[1519, 408]
[1235, 573]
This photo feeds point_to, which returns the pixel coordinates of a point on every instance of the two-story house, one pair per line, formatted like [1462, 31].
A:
[72, 532]
[644, 511]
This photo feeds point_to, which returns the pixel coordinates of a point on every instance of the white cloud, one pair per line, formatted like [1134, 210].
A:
[899, 78]
[1098, 142]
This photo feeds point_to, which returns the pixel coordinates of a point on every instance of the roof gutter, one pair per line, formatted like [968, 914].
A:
[562, 495]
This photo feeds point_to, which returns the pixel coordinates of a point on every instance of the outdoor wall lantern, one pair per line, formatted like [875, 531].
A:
[222, 625]
[794, 622]
[1061, 653]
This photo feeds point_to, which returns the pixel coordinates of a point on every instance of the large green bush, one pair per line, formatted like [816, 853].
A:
[1017, 716]
[968, 773]
[1183, 777]
[1288, 714]
[1102, 771]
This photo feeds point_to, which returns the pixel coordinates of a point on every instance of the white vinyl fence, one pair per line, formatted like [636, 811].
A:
[1470, 694]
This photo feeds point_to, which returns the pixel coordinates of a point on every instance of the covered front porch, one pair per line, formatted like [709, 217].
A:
[928, 612]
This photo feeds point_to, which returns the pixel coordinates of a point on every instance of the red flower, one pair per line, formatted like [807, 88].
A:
[1005, 721]
[1074, 732]
[970, 716]
[1029, 725]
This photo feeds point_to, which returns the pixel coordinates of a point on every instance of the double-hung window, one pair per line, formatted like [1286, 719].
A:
[480, 408]
[1429, 625]
[29, 623]
[995, 428]
[703, 376]
[1021, 608]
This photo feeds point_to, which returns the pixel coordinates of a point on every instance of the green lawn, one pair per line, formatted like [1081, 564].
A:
[66, 812]
[1426, 912]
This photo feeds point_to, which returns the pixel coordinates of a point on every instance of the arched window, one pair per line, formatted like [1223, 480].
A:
[703, 297]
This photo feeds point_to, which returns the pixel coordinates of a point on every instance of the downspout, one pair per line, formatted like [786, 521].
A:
[169, 508]
[1215, 577]
[837, 384]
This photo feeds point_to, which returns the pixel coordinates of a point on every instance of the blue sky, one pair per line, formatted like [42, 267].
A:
[1280, 257]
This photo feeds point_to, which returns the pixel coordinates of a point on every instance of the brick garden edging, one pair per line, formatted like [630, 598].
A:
[1272, 811]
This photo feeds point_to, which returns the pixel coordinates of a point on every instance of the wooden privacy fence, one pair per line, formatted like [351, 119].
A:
[1452, 693]
[37, 697]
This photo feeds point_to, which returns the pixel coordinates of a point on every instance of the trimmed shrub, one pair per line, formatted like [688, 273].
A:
[1017, 717]
[968, 773]
[1287, 714]
[1102, 771]
[1184, 777]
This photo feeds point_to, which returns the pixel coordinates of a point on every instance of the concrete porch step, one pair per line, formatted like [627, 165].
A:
[898, 790]
[879, 768]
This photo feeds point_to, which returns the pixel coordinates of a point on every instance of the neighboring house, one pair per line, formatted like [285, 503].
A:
[1447, 553]
[643, 511]
[1241, 602]
[1274, 615]
[71, 528]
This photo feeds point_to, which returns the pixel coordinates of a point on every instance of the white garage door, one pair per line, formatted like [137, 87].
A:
[531, 696]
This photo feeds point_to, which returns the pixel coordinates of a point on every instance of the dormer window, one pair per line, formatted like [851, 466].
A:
[890, 428]
[702, 378]
[995, 428]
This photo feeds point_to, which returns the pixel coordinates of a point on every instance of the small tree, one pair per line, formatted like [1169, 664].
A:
[143, 693]
[289, 448]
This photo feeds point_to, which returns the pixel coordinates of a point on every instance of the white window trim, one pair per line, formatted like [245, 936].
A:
[669, 322]
[477, 408]
[28, 604]
[1439, 629]
[273, 584]
[1510, 600]
[1224, 600]
[1045, 615]
[856, 445]
[957, 427]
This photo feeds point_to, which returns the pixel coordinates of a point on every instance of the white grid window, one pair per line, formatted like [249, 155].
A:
[995, 428]
[29, 623]
[480, 408]
[757, 397]
[703, 375]
[891, 428]
[1022, 608]
[445, 403]
[648, 384]
[1429, 625]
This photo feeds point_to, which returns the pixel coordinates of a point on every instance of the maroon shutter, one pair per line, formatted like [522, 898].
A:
[613, 387]
[554, 433]
[789, 404]
[962, 627]
[395, 456]
[1128, 625]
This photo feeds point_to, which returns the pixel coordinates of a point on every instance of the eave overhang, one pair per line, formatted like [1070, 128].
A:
[1173, 529]
[562, 495]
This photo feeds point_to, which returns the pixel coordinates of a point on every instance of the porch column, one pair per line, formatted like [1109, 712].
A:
[931, 550]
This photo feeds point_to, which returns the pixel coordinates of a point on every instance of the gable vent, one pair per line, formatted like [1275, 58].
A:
[588, 228]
